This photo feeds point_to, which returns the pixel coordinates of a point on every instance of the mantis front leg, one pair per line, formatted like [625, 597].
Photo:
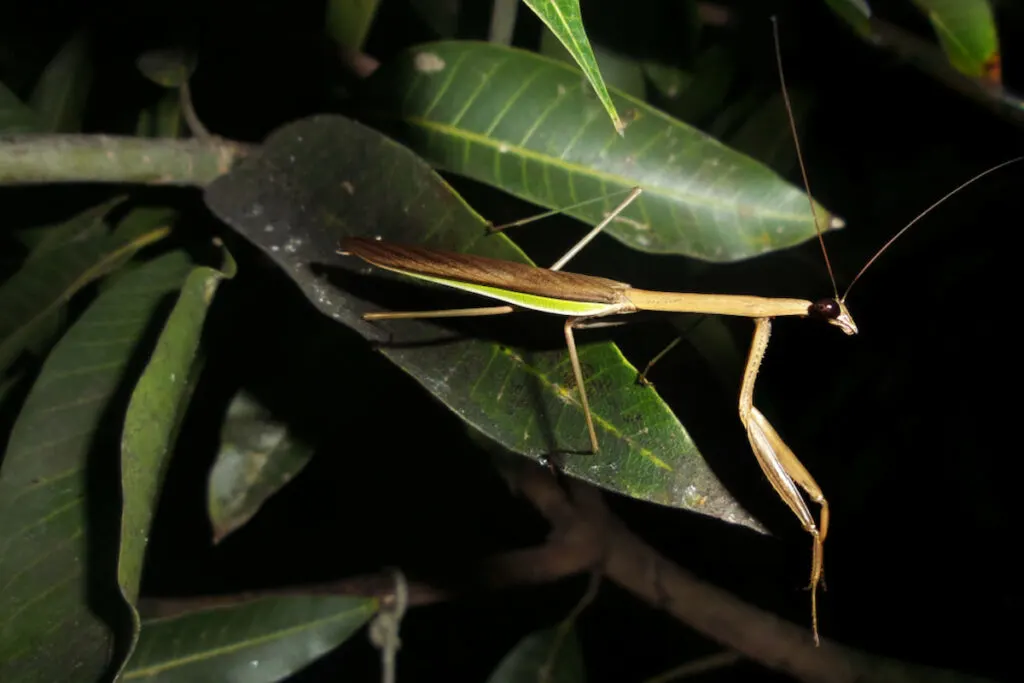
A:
[780, 464]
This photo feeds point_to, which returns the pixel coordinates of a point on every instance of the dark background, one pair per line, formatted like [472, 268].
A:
[910, 427]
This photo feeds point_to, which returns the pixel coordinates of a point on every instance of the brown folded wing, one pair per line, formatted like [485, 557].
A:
[516, 277]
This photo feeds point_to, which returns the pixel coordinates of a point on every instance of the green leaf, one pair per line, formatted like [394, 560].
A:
[41, 241]
[151, 423]
[669, 81]
[267, 639]
[526, 662]
[765, 132]
[170, 67]
[525, 124]
[563, 18]
[348, 21]
[257, 457]
[85, 226]
[856, 13]
[60, 95]
[15, 115]
[161, 119]
[619, 72]
[326, 177]
[46, 282]
[967, 33]
[58, 487]
[697, 95]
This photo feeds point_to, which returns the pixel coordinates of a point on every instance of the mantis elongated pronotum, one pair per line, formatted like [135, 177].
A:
[583, 298]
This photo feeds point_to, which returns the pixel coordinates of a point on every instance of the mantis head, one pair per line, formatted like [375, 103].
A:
[834, 312]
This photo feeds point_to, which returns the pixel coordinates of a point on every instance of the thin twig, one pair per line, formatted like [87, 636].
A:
[385, 626]
[189, 112]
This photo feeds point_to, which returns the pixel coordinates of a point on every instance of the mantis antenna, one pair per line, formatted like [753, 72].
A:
[922, 215]
[799, 154]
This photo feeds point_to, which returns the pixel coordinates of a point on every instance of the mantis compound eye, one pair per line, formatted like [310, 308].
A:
[826, 309]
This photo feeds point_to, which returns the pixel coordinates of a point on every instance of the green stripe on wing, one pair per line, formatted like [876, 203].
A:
[538, 303]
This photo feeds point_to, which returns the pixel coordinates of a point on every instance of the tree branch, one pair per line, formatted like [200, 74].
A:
[585, 536]
[36, 159]
[758, 635]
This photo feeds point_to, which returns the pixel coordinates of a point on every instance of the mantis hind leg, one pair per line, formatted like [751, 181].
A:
[570, 342]
[784, 470]
[444, 313]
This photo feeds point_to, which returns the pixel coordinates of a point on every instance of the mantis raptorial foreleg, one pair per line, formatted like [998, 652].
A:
[780, 465]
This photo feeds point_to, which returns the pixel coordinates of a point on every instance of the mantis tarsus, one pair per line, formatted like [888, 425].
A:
[582, 299]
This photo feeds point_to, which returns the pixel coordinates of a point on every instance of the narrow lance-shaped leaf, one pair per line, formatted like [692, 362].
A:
[42, 240]
[856, 13]
[45, 283]
[323, 178]
[526, 124]
[622, 73]
[162, 119]
[967, 33]
[563, 18]
[154, 414]
[90, 223]
[58, 487]
[259, 641]
[60, 95]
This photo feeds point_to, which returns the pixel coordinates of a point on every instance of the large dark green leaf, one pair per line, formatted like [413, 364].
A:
[528, 125]
[60, 95]
[563, 18]
[257, 456]
[326, 177]
[58, 487]
[154, 414]
[537, 653]
[44, 284]
[967, 33]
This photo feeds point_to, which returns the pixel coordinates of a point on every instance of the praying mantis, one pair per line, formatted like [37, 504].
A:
[582, 299]
[589, 301]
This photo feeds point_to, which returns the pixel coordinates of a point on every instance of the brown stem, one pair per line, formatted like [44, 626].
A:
[585, 536]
